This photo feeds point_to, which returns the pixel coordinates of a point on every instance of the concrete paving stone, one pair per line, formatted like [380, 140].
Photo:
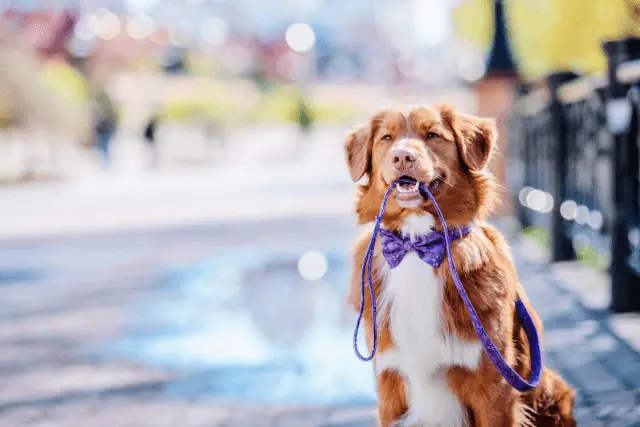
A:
[256, 420]
[19, 417]
[593, 378]
[359, 423]
[136, 403]
[586, 418]
[47, 423]
[155, 411]
[625, 368]
[296, 423]
[622, 423]
[556, 310]
[583, 404]
[626, 327]
[619, 407]
[201, 415]
[67, 382]
[122, 414]
[356, 414]
[68, 412]
[591, 287]
[304, 416]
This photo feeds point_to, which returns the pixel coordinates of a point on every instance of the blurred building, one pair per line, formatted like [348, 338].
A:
[379, 41]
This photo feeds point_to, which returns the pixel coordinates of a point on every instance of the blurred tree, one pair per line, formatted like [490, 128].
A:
[38, 96]
[37, 109]
[551, 35]
[473, 23]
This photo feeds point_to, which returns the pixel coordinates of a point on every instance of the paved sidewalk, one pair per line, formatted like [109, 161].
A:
[263, 174]
[63, 301]
[596, 352]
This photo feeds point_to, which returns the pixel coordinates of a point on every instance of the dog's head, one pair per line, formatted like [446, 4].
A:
[447, 151]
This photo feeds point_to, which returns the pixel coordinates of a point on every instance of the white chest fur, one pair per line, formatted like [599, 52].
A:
[412, 298]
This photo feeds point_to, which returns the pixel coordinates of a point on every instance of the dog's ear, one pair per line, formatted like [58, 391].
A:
[358, 152]
[358, 147]
[476, 138]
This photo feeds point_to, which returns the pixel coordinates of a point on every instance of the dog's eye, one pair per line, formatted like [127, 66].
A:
[432, 135]
[386, 138]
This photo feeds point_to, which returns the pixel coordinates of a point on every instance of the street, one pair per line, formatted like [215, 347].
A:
[178, 297]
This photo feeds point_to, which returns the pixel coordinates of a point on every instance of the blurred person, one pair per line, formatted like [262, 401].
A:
[105, 124]
[175, 60]
[150, 135]
[215, 134]
[304, 120]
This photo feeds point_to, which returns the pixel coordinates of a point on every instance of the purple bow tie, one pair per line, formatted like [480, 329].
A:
[429, 247]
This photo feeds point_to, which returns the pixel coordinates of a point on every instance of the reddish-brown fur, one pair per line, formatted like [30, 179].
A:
[460, 151]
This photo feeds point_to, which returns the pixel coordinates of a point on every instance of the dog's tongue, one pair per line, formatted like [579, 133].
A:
[407, 185]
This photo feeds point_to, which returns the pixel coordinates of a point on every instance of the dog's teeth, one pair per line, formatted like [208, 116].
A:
[407, 190]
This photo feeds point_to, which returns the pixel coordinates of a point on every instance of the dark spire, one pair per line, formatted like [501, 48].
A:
[500, 60]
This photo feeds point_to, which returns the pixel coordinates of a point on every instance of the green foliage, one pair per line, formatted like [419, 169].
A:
[188, 109]
[592, 257]
[278, 103]
[538, 235]
[584, 253]
[201, 65]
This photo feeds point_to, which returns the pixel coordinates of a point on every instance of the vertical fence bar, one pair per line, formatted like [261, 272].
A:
[625, 289]
[520, 139]
[561, 245]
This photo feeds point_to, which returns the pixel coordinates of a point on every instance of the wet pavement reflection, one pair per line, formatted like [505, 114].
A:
[245, 324]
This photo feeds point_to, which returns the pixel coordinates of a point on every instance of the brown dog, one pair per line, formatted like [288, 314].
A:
[430, 367]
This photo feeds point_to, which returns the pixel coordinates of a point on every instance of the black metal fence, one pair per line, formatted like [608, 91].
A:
[574, 166]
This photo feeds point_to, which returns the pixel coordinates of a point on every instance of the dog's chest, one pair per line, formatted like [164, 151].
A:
[412, 299]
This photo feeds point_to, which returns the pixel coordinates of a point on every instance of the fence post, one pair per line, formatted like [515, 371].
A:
[625, 289]
[519, 139]
[561, 245]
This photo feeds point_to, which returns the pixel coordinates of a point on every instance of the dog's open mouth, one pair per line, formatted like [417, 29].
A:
[408, 194]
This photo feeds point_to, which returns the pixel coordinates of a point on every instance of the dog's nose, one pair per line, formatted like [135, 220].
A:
[402, 158]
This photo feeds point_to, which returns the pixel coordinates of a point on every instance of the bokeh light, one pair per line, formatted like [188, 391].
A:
[140, 27]
[107, 24]
[312, 265]
[582, 214]
[568, 209]
[300, 37]
[214, 31]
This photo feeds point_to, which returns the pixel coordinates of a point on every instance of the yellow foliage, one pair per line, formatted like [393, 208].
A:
[279, 105]
[66, 81]
[553, 35]
[473, 22]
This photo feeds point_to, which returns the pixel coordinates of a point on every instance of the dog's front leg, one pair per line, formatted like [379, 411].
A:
[392, 399]
[495, 412]
[490, 401]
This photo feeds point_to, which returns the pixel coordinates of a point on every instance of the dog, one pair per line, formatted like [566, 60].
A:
[431, 369]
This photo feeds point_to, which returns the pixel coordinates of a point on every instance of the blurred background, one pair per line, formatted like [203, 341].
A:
[176, 213]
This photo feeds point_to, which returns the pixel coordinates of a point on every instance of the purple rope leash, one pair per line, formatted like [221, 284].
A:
[367, 265]
[509, 374]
